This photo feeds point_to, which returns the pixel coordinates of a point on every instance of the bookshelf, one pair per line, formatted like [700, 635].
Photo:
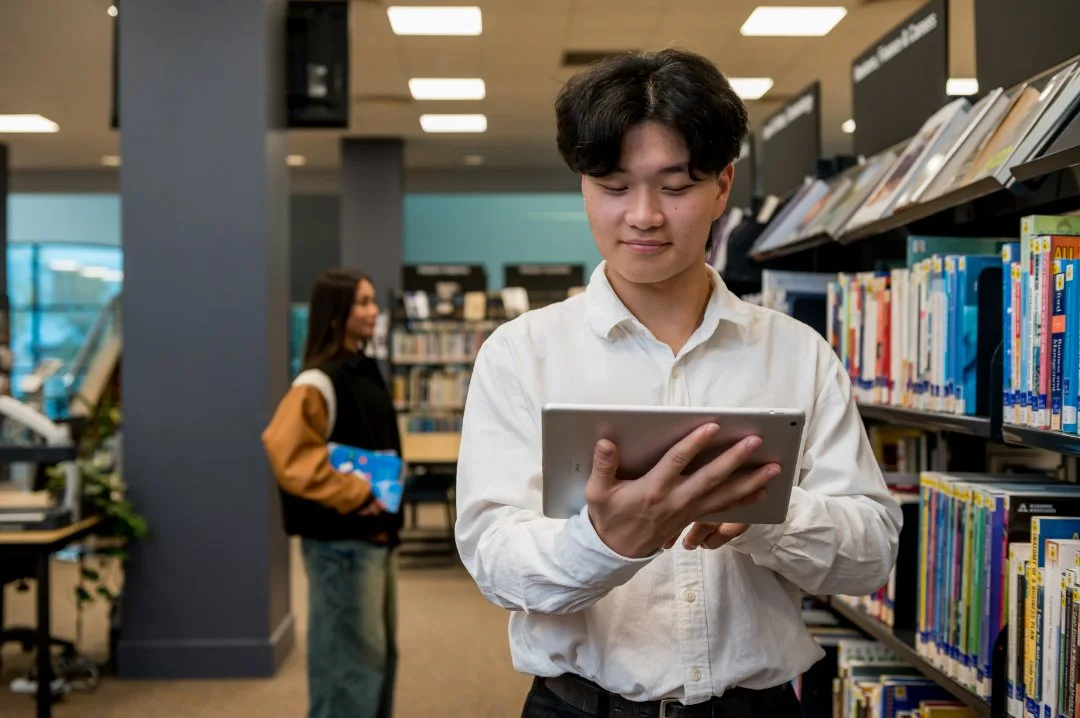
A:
[966, 361]
[1046, 440]
[902, 642]
[979, 426]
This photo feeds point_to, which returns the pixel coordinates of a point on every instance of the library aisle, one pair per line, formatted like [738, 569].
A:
[442, 661]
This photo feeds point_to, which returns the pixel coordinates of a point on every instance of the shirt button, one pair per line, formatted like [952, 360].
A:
[690, 596]
[696, 674]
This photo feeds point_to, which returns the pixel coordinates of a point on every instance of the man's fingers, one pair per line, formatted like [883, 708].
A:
[741, 491]
[671, 543]
[717, 471]
[602, 478]
[716, 539]
[679, 456]
[697, 534]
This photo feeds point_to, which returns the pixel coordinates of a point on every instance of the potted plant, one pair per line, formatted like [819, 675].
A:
[103, 494]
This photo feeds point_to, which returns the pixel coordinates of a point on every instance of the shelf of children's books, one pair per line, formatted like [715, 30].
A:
[933, 420]
[1044, 439]
[903, 644]
[799, 245]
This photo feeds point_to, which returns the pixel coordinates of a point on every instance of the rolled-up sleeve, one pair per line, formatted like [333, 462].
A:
[520, 559]
[843, 526]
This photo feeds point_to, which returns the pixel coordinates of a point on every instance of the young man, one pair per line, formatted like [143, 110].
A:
[632, 607]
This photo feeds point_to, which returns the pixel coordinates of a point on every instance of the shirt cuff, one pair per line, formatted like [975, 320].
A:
[590, 560]
[762, 537]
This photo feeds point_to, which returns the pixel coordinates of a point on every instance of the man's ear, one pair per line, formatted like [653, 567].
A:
[723, 189]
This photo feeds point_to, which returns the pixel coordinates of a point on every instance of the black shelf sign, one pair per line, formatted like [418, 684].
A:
[544, 277]
[900, 80]
[444, 278]
[791, 142]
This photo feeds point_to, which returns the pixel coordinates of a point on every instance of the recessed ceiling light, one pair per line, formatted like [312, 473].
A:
[111, 160]
[848, 127]
[113, 12]
[447, 88]
[792, 21]
[961, 86]
[435, 20]
[27, 123]
[750, 88]
[453, 123]
[295, 160]
[474, 160]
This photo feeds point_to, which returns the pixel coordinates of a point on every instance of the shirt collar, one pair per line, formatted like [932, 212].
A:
[605, 311]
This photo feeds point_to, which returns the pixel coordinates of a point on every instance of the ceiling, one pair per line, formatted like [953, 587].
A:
[55, 60]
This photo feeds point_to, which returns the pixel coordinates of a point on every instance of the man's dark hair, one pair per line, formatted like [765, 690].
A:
[676, 88]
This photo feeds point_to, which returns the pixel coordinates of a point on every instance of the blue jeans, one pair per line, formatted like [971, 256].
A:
[352, 625]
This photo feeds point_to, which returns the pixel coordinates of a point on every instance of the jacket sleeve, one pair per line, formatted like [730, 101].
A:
[520, 559]
[843, 526]
[296, 448]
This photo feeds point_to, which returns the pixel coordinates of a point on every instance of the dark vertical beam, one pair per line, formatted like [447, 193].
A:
[205, 231]
[372, 210]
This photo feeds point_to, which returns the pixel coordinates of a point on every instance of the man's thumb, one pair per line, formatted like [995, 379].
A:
[605, 460]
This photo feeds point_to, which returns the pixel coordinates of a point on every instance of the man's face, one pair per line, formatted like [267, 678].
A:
[650, 218]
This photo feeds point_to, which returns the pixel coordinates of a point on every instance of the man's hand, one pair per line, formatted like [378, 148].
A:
[638, 517]
[709, 535]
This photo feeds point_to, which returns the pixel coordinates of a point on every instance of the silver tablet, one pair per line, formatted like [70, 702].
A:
[645, 433]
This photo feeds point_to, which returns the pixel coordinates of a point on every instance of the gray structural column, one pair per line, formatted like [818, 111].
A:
[204, 195]
[372, 211]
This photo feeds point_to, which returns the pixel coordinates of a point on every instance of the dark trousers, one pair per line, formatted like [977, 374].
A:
[779, 703]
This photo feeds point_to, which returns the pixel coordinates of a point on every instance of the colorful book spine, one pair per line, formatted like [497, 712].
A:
[1070, 381]
[1025, 333]
[949, 357]
[1057, 346]
[1009, 254]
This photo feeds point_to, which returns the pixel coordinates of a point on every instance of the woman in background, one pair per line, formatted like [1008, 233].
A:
[348, 539]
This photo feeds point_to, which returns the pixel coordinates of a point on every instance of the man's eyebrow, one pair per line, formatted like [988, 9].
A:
[683, 168]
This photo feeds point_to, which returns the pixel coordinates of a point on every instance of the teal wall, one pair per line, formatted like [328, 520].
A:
[493, 229]
[497, 229]
[79, 218]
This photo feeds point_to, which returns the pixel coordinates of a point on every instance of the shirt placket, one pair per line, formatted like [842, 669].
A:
[689, 585]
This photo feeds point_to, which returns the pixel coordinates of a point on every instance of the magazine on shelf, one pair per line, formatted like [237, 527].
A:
[956, 167]
[866, 179]
[949, 146]
[779, 230]
[1021, 105]
[1061, 109]
[881, 200]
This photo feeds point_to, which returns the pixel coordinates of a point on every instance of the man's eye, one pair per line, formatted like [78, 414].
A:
[678, 190]
[614, 189]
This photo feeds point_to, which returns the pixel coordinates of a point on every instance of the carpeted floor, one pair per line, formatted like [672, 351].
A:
[454, 659]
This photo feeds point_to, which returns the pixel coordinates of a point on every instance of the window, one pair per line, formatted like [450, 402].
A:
[57, 291]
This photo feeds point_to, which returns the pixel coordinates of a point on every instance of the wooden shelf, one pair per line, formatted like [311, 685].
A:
[903, 644]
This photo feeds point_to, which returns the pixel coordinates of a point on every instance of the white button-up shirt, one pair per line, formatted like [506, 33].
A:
[681, 624]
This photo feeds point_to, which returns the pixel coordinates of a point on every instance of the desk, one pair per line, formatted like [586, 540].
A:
[430, 448]
[41, 545]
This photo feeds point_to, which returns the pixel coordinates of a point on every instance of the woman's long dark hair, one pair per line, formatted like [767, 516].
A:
[331, 304]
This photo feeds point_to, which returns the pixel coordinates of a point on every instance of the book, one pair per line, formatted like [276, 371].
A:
[1010, 255]
[918, 150]
[1070, 378]
[383, 470]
